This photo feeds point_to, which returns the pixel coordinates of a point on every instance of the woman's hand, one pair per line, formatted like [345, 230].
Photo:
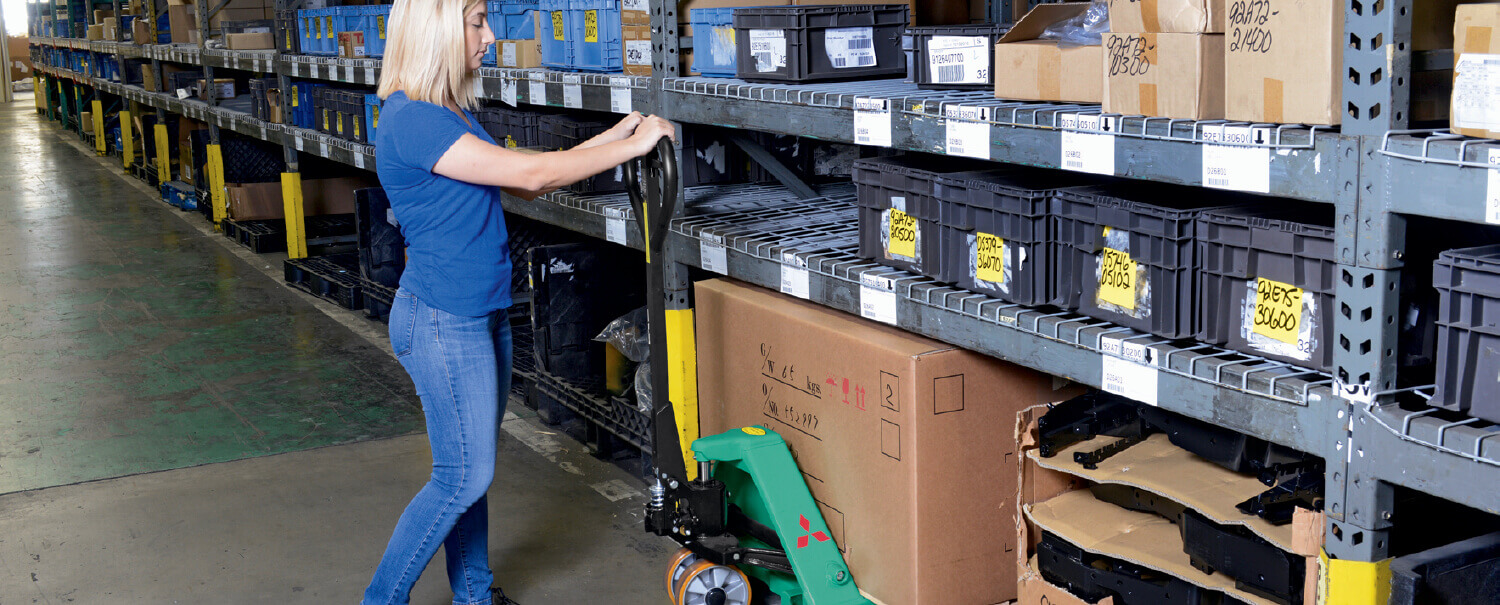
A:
[624, 129]
[650, 131]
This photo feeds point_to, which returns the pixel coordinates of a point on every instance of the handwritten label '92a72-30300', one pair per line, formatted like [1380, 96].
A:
[1129, 55]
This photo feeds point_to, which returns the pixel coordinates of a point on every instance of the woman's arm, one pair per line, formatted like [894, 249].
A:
[619, 132]
[472, 160]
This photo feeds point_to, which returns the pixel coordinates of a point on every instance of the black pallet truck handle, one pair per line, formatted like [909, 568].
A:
[652, 184]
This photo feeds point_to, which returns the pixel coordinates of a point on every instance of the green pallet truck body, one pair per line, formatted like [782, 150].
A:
[750, 529]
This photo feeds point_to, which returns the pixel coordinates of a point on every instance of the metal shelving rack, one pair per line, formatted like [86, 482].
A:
[1373, 170]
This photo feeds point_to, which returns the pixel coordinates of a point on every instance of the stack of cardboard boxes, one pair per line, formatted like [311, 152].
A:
[1165, 58]
[182, 16]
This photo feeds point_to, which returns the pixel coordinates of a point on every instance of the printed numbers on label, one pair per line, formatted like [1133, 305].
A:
[968, 131]
[1129, 379]
[1492, 190]
[795, 279]
[877, 298]
[872, 121]
[614, 228]
[536, 92]
[714, 255]
[619, 95]
[572, 92]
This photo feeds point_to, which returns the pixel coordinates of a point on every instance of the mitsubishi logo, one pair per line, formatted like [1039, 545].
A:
[806, 526]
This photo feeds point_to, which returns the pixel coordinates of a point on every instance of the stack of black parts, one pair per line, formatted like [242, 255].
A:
[382, 250]
[577, 289]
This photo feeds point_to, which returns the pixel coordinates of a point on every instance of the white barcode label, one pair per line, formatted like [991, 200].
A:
[614, 225]
[323, 148]
[572, 92]
[1492, 189]
[768, 46]
[968, 131]
[635, 5]
[536, 92]
[959, 59]
[1089, 152]
[508, 54]
[1238, 165]
[795, 279]
[359, 160]
[714, 256]
[638, 52]
[872, 121]
[1128, 379]
[619, 95]
[370, 77]
[349, 73]
[297, 140]
[850, 47]
[1476, 91]
[877, 298]
[508, 91]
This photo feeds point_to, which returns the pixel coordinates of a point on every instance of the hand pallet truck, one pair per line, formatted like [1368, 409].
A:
[750, 529]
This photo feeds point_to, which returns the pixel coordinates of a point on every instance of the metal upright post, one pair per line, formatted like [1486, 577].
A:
[291, 180]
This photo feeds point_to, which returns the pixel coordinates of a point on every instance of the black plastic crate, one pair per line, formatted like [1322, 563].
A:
[382, 249]
[812, 43]
[1462, 572]
[377, 300]
[563, 131]
[898, 215]
[577, 289]
[1137, 240]
[288, 35]
[334, 277]
[1267, 282]
[995, 231]
[955, 57]
[1468, 321]
[509, 127]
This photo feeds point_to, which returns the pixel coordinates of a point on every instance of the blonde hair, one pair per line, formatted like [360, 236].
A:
[425, 54]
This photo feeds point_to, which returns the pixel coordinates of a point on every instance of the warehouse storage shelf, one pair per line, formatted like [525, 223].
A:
[1438, 174]
[1309, 163]
[1458, 460]
[247, 60]
[175, 53]
[334, 69]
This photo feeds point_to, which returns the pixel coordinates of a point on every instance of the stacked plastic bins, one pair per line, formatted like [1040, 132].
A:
[954, 57]
[319, 35]
[511, 20]
[898, 213]
[818, 43]
[372, 116]
[582, 35]
[553, 19]
[372, 20]
[713, 42]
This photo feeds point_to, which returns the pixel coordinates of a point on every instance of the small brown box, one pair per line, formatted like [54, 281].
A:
[352, 45]
[1164, 75]
[637, 48]
[1287, 58]
[1040, 70]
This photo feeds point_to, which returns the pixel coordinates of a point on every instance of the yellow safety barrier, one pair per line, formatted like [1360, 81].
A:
[216, 185]
[127, 139]
[296, 228]
[682, 384]
[1353, 582]
[163, 157]
[101, 140]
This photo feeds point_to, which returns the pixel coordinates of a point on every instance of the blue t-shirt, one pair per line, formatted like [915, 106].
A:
[458, 257]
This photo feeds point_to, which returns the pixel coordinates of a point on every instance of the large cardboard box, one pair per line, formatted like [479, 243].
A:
[249, 41]
[1166, 16]
[1476, 40]
[1164, 75]
[637, 49]
[520, 54]
[1040, 70]
[183, 24]
[1287, 57]
[95, 32]
[20, 58]
[263, 201]
[905, 442]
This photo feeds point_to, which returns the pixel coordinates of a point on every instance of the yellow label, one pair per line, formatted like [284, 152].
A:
[1278, 310]
[356, 126]
[339, 127]
[329, 22]
[380, 25]
[289, 39]
[375, 117]
[295, 97]
[1117, 278]
[591, 26]
[753, 430]
[557, 25]
[990, 257]
[902, 235]
[326, 123]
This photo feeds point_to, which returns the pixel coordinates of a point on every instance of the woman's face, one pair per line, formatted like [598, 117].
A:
[477, 35]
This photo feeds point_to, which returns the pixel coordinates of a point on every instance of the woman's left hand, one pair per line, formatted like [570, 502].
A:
[624, 129]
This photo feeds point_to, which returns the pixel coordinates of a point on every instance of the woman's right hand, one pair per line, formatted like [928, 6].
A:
[649, 132]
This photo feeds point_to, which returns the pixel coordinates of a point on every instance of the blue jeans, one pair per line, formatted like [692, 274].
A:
[461, 367]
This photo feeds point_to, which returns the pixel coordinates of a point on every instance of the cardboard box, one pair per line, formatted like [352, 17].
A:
[249, 41]
[87, 120]
[148, 78]
[101, 14]
[95, 32]
[1164, 75]
[20, 58]
[185, 128]
[1476, 65]
[905, 441]
[1287, 57]
[1166, 16]
[140, 32]
[223, 88]
[182, 23]
[1040, 70]
[352, 45]
[522, 54]
[111, 28]
[263, 201]
[637, 43]
[636, 12]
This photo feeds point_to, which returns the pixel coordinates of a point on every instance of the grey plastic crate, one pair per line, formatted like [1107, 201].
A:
[903, 184]
[996, 231]
[1468, 321]
[1150, 226]
[866, 42]
[1254, 261]
[963, 57]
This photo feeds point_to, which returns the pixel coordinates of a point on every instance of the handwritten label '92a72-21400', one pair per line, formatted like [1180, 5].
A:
[1249, 26]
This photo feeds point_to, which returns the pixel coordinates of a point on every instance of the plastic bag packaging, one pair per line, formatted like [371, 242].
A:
[643, 388]
[1086, 29]
[629, 335]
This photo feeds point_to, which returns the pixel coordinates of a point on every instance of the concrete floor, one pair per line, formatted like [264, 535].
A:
[178, 426]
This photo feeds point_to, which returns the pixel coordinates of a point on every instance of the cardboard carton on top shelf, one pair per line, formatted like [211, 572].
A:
[140, 32]
[905, 440]
[95, 32]
[1040, 70]
[180, 20]
[519, 54]
[352, 45]
[1164, 75]
[1287, 57]
[636, 43]
[249, 41]
[1476, 105]
[1166, 16]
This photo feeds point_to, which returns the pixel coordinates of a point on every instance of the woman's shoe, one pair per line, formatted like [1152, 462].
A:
[497, 597]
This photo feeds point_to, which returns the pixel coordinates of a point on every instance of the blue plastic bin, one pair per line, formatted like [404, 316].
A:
[511, 20]
[372, 116]
[375, 18]
[713, 42]
[554, 19]
[320, 35]
[593, 32]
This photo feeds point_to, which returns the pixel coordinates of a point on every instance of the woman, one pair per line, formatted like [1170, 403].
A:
[448, 325]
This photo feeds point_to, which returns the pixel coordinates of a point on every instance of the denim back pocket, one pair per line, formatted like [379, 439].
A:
[403, 324]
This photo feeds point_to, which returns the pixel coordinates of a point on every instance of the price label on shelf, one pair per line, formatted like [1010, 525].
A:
[572, 92]
[715, 256]
[298, 141]
[619, 95]
[614, 225]
[349, 74]
[359, 160]
[1129, 379]
[1492, 190]
[323, 148]
[877, 298]
[296, 69]
[1093, 151]
[795, 279]
[968, 131]
[872, 121]
[370, 77]
[1238, 164]
[536, 92]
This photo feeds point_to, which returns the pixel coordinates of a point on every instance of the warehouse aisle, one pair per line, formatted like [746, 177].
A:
[132, 342]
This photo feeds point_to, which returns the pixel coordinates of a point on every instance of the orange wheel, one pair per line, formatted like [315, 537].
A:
[707, 583]
[677, 569]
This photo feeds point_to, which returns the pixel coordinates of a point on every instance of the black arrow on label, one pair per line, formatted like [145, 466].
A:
[1260, 137]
